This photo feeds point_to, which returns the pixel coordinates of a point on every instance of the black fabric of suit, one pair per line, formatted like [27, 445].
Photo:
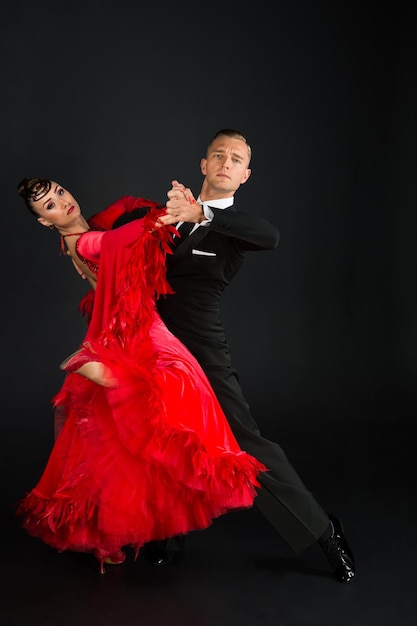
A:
[192, 314]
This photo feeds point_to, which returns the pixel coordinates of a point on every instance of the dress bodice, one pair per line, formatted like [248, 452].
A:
[87, 247]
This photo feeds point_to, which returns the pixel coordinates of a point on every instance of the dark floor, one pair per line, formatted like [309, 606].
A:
[239, 572]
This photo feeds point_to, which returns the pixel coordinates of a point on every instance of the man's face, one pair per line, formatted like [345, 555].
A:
[226, 166]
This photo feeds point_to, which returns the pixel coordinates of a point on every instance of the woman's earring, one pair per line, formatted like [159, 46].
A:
[51, 226]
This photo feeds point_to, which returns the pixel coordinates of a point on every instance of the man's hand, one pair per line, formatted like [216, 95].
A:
[181, 206]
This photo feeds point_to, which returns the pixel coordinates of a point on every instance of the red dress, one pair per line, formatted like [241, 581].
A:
[154, 456]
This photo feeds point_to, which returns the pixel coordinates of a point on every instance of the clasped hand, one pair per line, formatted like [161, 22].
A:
[181, 206]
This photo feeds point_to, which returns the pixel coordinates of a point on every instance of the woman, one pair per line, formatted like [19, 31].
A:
[145, 452]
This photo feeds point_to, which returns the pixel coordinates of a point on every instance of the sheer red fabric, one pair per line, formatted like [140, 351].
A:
[154, 456]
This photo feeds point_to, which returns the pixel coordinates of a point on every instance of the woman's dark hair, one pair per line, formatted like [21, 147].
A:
[33, 189]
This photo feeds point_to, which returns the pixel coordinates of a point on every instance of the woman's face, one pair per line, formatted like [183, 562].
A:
[57, 207]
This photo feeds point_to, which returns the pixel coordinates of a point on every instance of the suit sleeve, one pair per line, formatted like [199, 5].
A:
[128, 207]
[252, 231]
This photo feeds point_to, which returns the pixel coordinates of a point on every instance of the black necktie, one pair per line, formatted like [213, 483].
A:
[184, 230]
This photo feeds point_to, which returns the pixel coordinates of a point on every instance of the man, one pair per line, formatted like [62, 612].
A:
[203, 264]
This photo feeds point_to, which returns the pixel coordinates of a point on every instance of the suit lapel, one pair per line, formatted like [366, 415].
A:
[192, 240]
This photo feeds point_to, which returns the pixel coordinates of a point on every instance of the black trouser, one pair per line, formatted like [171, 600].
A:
[284, 499]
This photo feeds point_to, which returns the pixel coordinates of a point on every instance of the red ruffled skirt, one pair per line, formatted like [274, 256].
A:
[151, 458]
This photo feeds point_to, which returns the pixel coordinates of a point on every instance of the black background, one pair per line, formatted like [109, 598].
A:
[114, 98]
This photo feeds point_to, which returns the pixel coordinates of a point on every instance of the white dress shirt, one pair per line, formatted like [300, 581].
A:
[221, 203]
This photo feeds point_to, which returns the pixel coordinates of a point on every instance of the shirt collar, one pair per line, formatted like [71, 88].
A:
[221, 203]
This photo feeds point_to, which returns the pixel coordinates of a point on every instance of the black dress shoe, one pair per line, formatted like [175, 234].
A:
[157, 553]
[159, 556]
[339, 554]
